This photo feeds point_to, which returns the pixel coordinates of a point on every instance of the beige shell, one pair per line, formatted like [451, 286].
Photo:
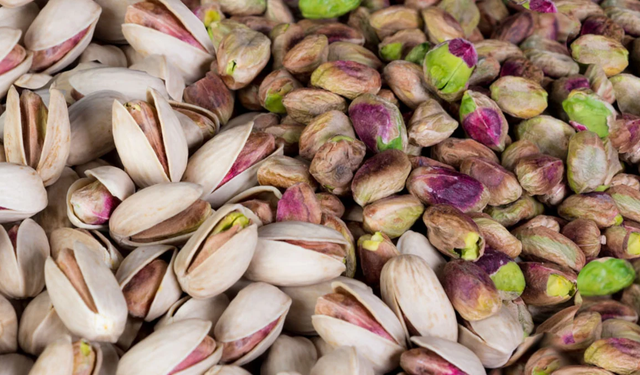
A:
[226, 265]
[149, 207]
[202, 111]
[284, 264]
[8, 327]
[57, 359]
[133, 57]
[57, 22]
[94, 240]
[493, 339]
[40, 325]
[61, 80]
[227, 370]
[267, 193]
[22, 268]
[254, 307]
[415, 243]
[138, 157]
[109, 322]
[456, 354]
[209, 309]
[109, 28]
[192, 62]
[8, 39]
[169, 290]
[222, 151]
[105, 55]
[19, 18]
[165, 348]
[115, 180]
[344, 360]
[383, 354]
[159, 66]
[133, 84]
[82, 168]
[54, 216]
[321, 346]
[91, 128]
[412, 290]
[57, 142]
[14, 3]
[34, 81]
[304, 304]
[289, 354]
[15, 364]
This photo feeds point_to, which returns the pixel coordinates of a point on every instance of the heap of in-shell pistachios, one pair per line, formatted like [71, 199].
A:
[319, 187]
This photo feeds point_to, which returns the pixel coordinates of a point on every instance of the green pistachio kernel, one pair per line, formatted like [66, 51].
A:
[316, 9]
[559, 286]
[417, 54]
[605, 276]
[373, 243]
[509, 278]
[471, 249]
[234, 218]
[633, 243]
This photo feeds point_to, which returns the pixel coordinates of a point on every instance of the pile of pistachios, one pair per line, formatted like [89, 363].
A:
[319, 187]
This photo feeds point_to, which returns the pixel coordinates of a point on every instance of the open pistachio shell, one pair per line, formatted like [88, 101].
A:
[59, 358]
[8, 327]
[40, 325]
[149, 207]
[15, 364]
[454, 353]
[280, 263]
[54, 216]
[493, 339]
[58, 22]
[23, 260]
[161, 67]
[133, 84]
[255, 308]
[22, 193]
[412, 290]
[115, 180]
[64, 238]
[107, 321]
[90, 124]
[289, 354]
[227, 370]
[19, 18]
[344, 360]
[209, 309]
[54, 148]
[168, 290]
[222, 151]
[221, 269]
[415, 243]
[105, 55]
[383, 353]
[137, 154]
[166, 348]
[8, 40]
[192, 62]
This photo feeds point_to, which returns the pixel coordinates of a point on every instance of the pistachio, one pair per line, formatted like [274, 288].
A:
[599, 207]
[299, 203]
[393, 215]
[586, 234]
[336, 161]
[326, 8]
[502, 185]
[547, 284]
[453, 233]
[303, 105]
[430, 124]
[471, 290]
[483, 120]
[452, 151]
[448, 67]
[605, 276]
[373, 252]
[587, 111]
[380, 176]
[539, 174]
[283, 172]
[600, 50]
[388, 130]
[519, 97]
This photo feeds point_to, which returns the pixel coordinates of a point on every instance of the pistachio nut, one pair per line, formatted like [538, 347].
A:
[209, 309]
[586, 234]
[95, 241]
[592, 49]
[303, 105]
[210, 93]
[290, 355]
[605, 276]
[504, 271]
[519, 97]
[373, 252]
[587, 111]
[133, 84]
[448, 67]
[66, 357]
[482, 120]
[618, 355]
[599, 207]
[430, 124]
[453, 233]
[548, 133]
[502, 185]
[382, 175]
[335, 162]
[547, 283]
[452, 151]
[378, 123]
[14, 59]
[299, 203]
[393, 215]
[439, 356]
[346, 78]
[496, 236]
[542, 243]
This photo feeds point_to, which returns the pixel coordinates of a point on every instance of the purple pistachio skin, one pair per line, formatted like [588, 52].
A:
[299, 203]
[599, 207]
[492, 260]
[471, 290]
[611, 309]
[378, 123]
[619, 355]
[537, 277]
[539, 174]
[421, 361]
[543, 6]
[483, 120]
[435, 185]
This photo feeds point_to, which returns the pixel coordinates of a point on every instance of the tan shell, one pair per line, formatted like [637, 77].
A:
[15, 364]
[415, 243]
[254, 307]
[289, 354]
[40, 325]
[22, 268]
[159, 66]
[109, 322]
[54, 216]
[8, 327]
[411, 288]
[8, 39]
[137, 155]
[454, 353]
[105, 55]
[209, 309]
[493, 339]
[164, 349]
[57, 142]
[169, 290]
[133, 84]
[226, 265]
[222, 151]
[149, 207]
[33, 81]
[192, 62]
[383, 354]
[115, 180]
[57, 359]
[227, 370]
[344, 360]
[284, 264]
[91, 128]
[19, 18]
[57, 22]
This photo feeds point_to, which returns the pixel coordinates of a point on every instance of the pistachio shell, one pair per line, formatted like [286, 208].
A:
[40, 325]
[344, 360]
[8, 39]
[54, 215]
[8, 327]
[64, 238]
[209, 309]
[414, 243]
[227, 370]
[132, 84]
[161, 67]
[22, 266]
[15, 364]
[289, 354]
[284, 264]
[454, 353]
[106, 55]
[163, 350]
[226, 265]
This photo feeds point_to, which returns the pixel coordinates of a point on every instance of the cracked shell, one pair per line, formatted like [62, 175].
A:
[62, 238]
[209, 309]
[59, 358]
[9, 39]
